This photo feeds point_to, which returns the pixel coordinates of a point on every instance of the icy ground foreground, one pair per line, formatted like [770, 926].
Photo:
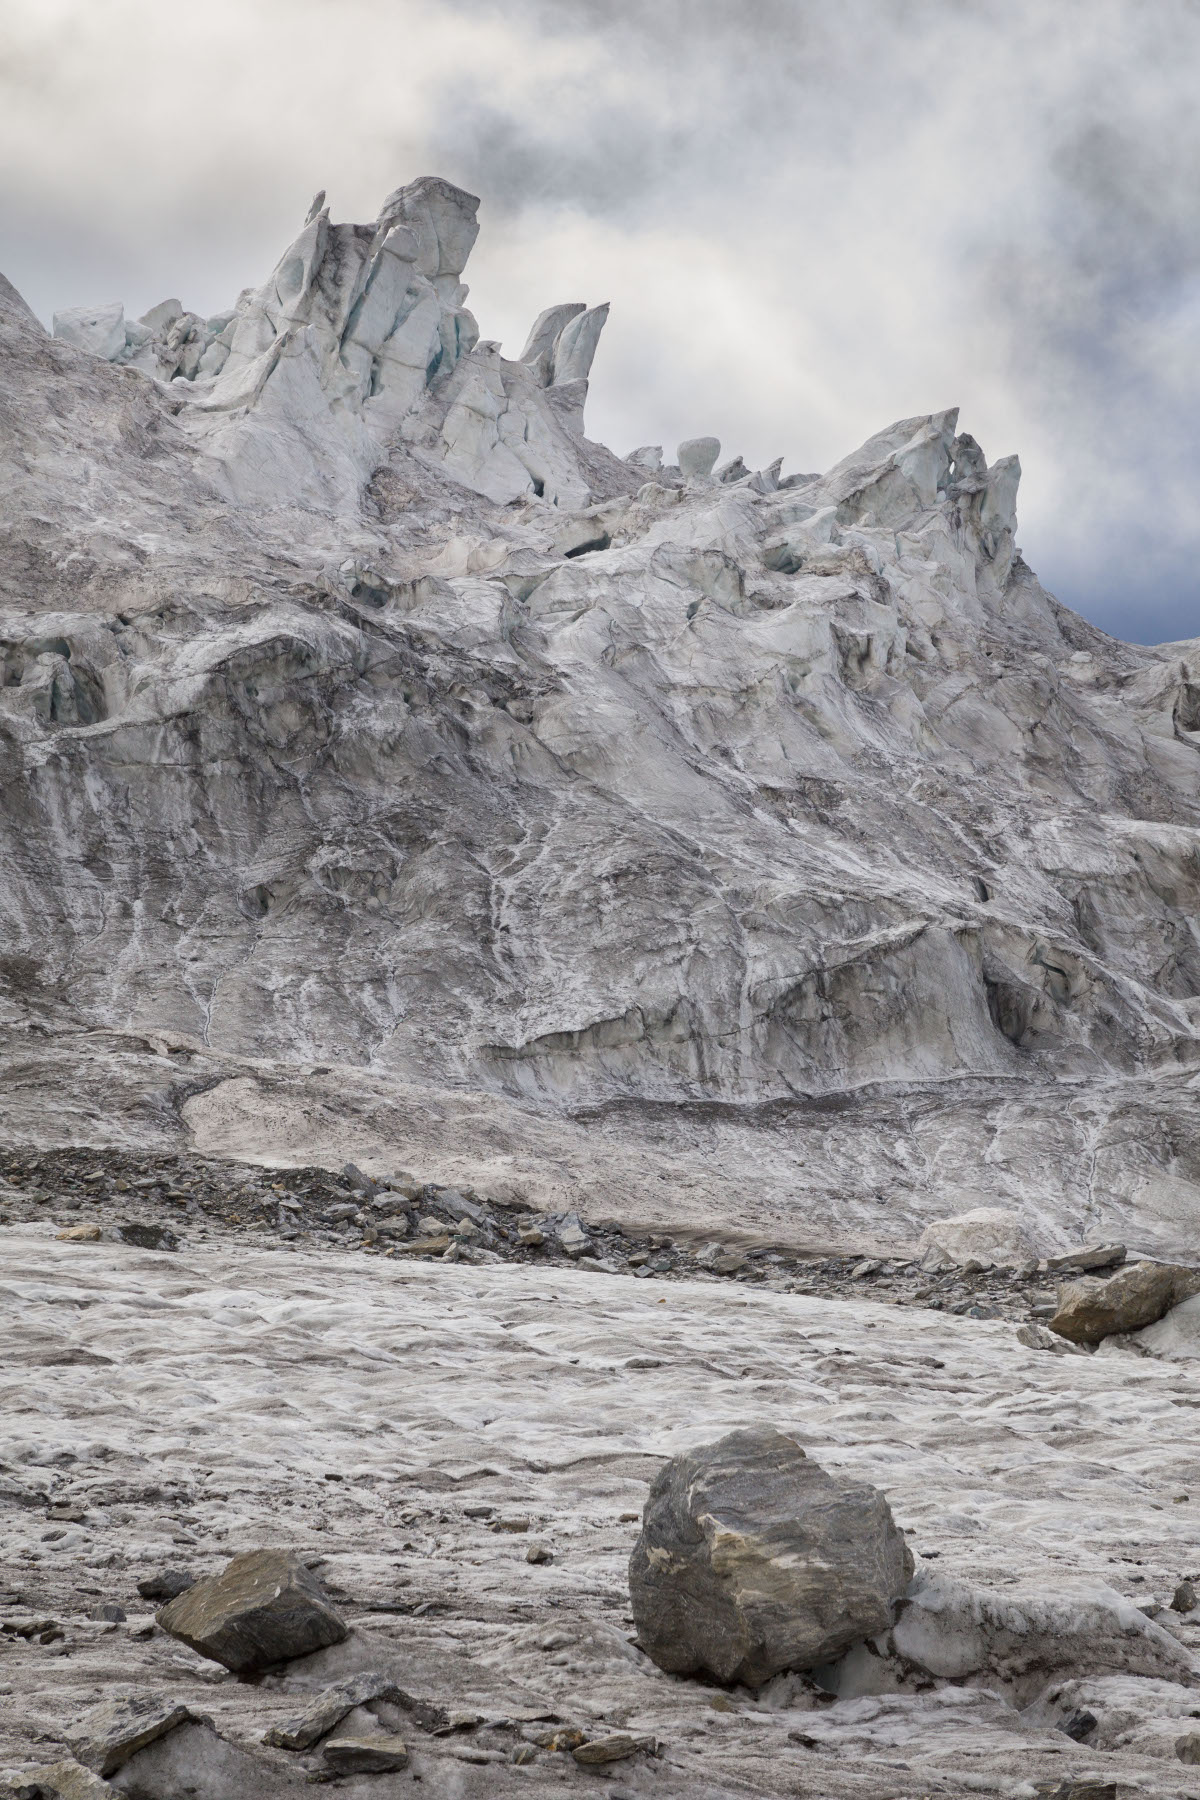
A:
[370, 1415]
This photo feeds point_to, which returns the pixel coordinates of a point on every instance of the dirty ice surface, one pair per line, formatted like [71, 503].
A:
[223, 1398]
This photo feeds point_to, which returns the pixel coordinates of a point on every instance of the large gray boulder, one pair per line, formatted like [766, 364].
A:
[753, 1559]
[1090, 1310]
[263, 1608]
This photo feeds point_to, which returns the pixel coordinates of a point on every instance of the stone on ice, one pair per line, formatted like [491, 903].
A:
[263, 1608]
[614, 1748]
[167, 1585]
[65, 1780]
[753, 1559]
[1087, 1258]
[698, 455]
[108, 1735]
[571, 1235]
[989, 1236]
[99, 329]
[146, 1236]
[372, 1755]
[331, 1707]
[1139, 1294]
[425, 1246]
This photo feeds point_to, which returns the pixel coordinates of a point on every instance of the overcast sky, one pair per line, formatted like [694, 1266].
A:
[811, 216]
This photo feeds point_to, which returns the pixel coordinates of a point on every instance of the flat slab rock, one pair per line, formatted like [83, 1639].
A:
[264, 1608]
[613, 1748]
[753, 1559]
[373, 1755]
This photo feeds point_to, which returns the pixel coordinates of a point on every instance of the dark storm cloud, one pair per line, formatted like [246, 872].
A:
[810, 218]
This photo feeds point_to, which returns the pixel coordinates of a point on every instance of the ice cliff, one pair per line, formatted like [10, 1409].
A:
[387, 768]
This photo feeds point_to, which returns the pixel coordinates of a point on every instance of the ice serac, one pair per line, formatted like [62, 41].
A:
[354, 339]
[594, 826]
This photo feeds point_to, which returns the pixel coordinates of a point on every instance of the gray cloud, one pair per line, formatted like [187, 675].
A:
[810, 219]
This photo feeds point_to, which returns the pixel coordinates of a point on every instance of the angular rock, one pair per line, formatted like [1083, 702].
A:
[394, 1229]
[395, 1207]
[263, 1608]
[1139, 1294]
[108, 1735]
[373, 1755]
[1087, 1259]
[147, 1237]
[989, 1236]
[613, 1748]
[65, 1780]
[1187, 1748]
[753, 1559]
[424, 1246]
[572, 1237]
[167, 1585]
[330, 1708]
[698, 455]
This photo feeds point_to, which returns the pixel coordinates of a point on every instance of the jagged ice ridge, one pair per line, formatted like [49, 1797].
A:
[391, 771]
